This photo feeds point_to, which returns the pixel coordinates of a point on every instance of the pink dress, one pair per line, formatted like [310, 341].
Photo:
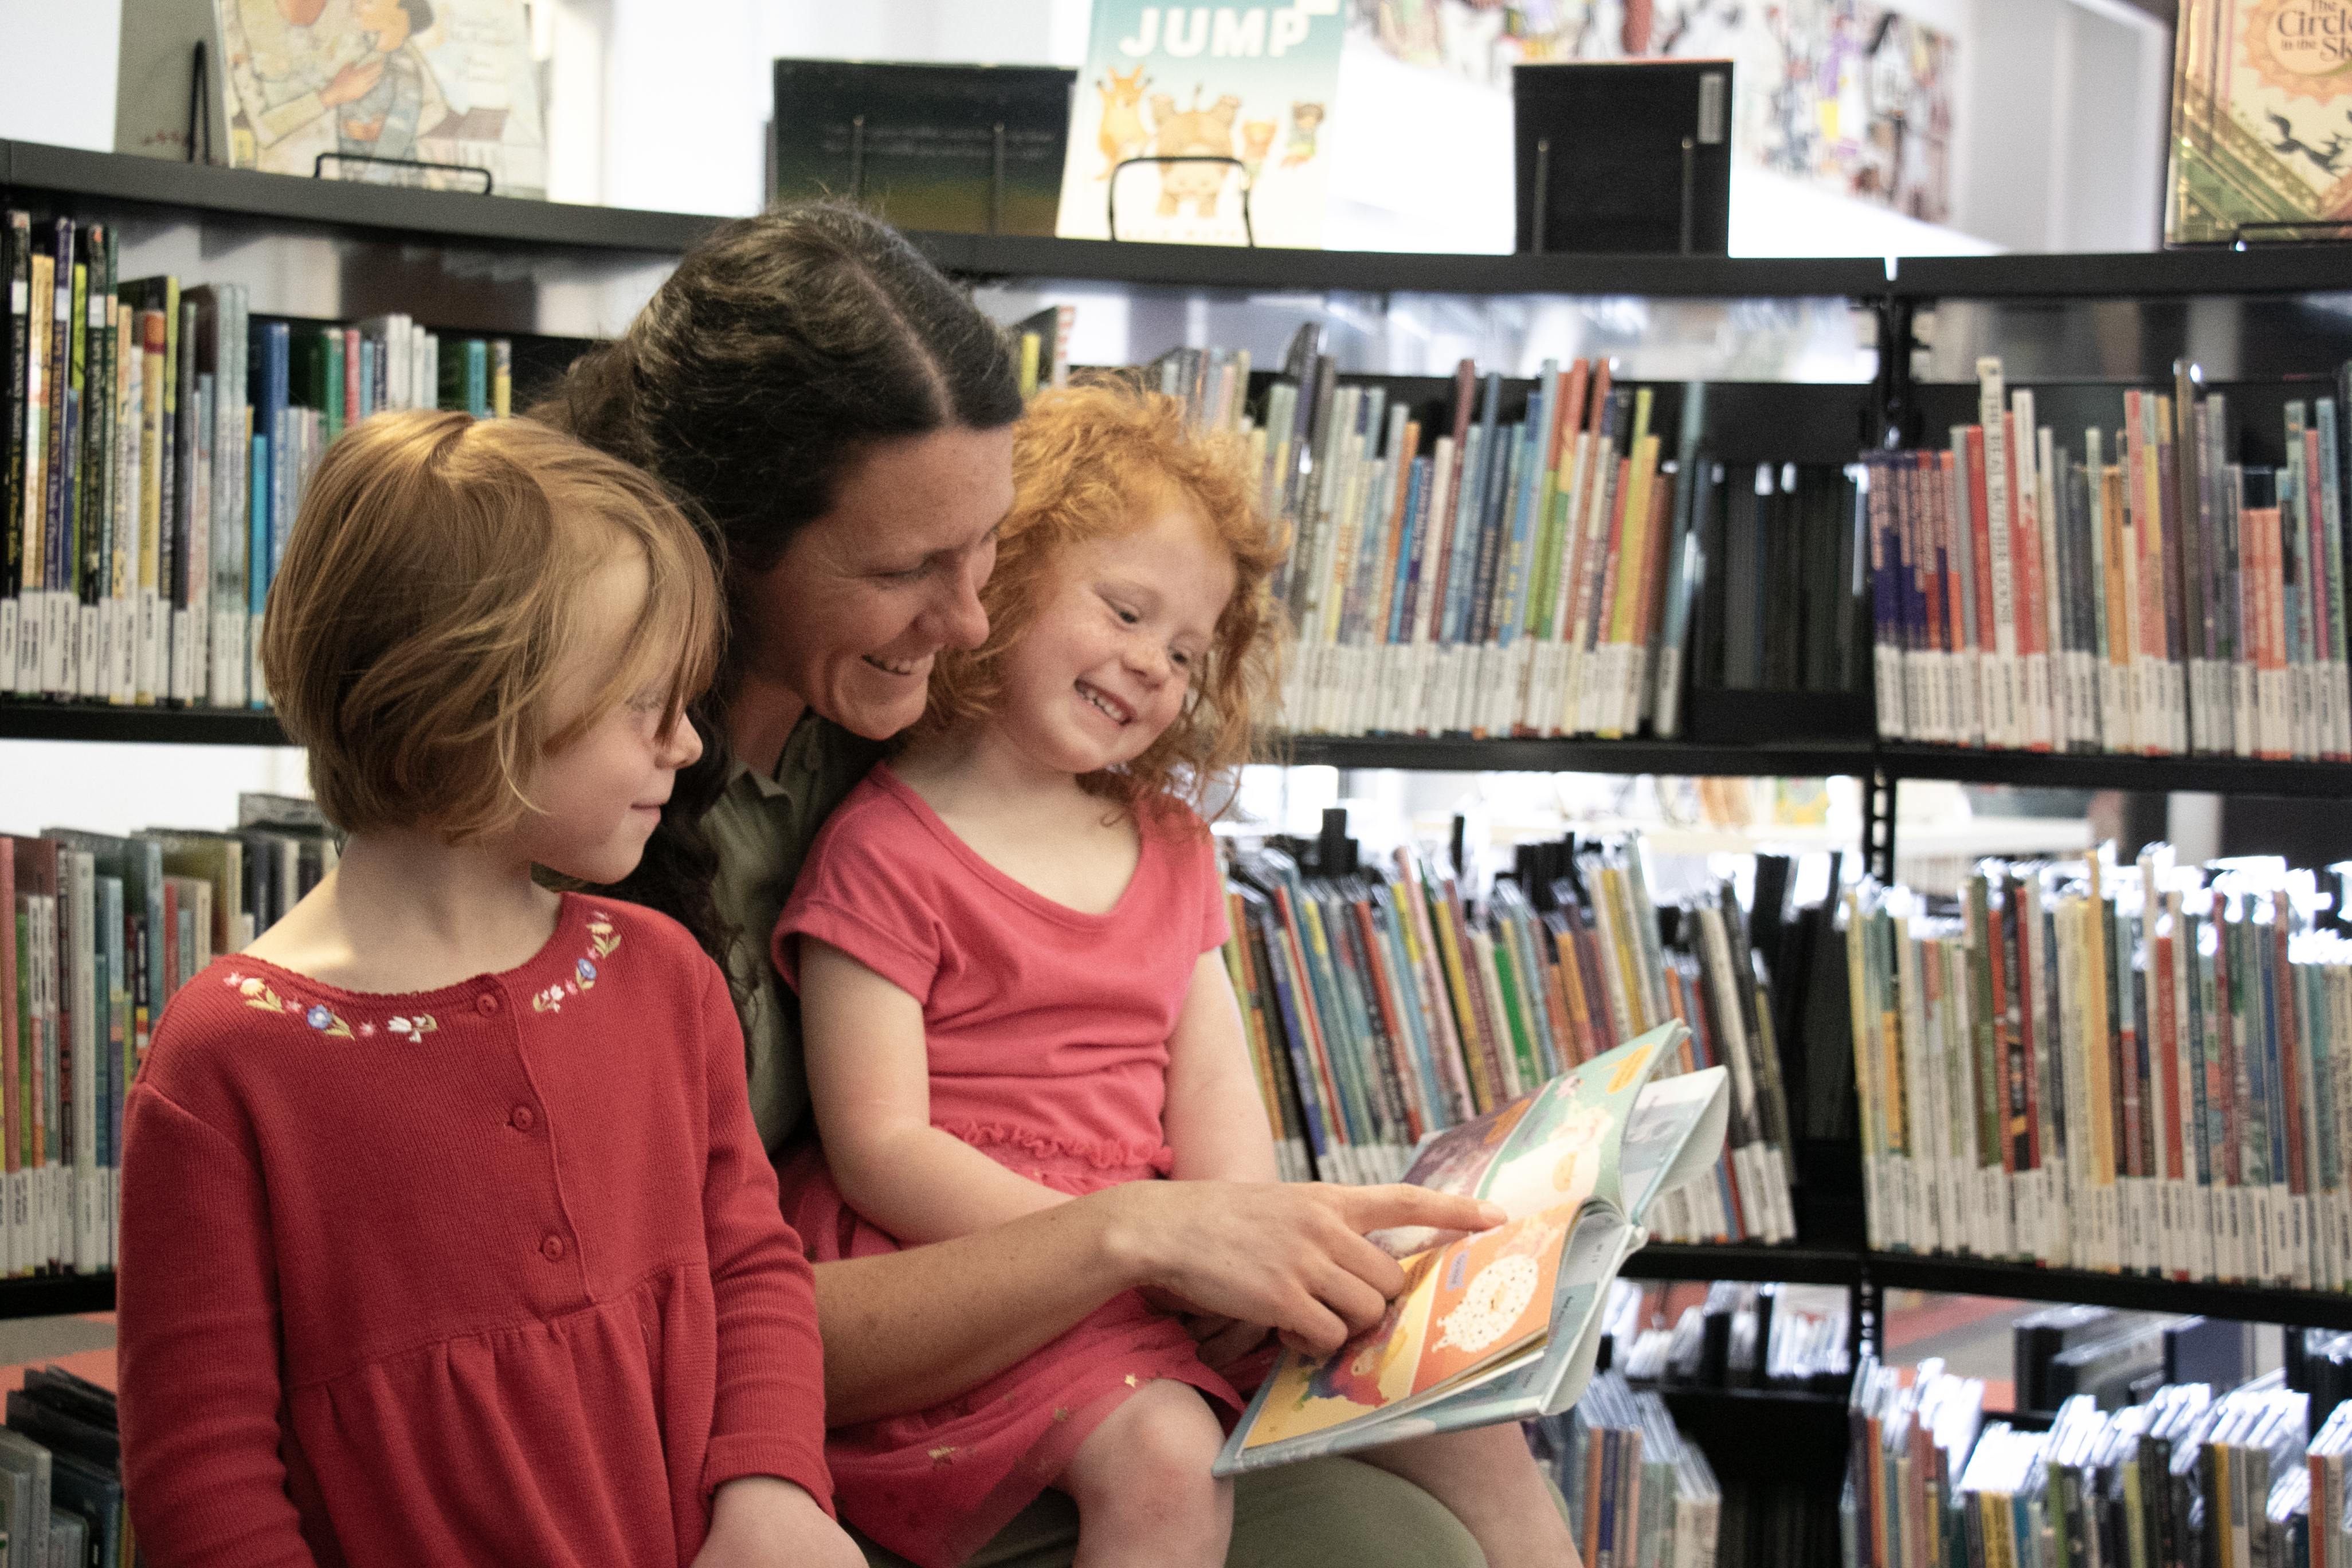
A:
[1047, 1032]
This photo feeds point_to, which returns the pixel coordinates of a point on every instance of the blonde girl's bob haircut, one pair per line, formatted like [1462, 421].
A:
[1097, 460]
[428, 605]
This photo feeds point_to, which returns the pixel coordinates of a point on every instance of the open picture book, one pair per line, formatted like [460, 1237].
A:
[1504, 1324]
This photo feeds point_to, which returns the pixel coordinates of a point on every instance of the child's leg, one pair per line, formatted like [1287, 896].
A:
[1490, 1481]
[1142, 1485]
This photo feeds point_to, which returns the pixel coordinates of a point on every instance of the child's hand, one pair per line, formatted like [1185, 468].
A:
[762, 1521]
[1221, 1341]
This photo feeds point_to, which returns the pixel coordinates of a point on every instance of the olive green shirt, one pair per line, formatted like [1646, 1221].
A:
[762, 828]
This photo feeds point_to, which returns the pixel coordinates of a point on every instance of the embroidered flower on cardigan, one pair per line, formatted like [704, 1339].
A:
[601, 940]
[413, 1026]
[259, 993]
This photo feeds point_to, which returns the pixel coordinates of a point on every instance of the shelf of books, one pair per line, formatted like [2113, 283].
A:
[2138, 1077]
[2229, 1474]
[27, 168]
[98, 933]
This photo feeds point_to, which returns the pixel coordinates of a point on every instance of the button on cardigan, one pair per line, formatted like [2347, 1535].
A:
[492, 1274]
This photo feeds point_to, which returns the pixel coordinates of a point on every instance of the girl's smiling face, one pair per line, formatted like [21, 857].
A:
[1107, 663]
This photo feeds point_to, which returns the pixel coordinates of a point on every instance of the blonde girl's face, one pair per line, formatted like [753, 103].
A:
[1105, 666]
[600, 798]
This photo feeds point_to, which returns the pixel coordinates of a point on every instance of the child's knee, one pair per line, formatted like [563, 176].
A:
[1166, 1431]
[1173, 1428]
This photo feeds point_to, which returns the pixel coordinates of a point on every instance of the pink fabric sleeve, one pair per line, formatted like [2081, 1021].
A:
[199, 1367]
[1214, 926]
[769, 1417]
[857, 893]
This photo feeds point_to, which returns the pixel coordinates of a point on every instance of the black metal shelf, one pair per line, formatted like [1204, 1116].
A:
[1375, 272]
[162, 182]
[1977, 1277]
[1462, 755]
[1751, 1261]
[2093, 770]
[167, 726]
[56, 1295]
[2218, 270]
[1796, 758]
[342, 204]
[1808, 1432]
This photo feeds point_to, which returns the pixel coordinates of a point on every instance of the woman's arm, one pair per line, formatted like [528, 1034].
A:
[909, 1328]
[1215, 1117]
[869, 1082]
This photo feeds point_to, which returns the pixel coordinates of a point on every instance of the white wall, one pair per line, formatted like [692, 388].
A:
[2065, 108]
[56, 72]
[689, 86]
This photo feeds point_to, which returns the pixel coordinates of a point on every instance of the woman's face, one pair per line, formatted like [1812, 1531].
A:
[852, 614]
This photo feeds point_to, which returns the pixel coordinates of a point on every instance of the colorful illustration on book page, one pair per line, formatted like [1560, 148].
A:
[406, 81]
[1215, 102]
[1466, 1304]
[1563, 1150]
[2262, 121]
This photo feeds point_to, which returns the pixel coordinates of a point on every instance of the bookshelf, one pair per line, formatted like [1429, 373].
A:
[559, 275]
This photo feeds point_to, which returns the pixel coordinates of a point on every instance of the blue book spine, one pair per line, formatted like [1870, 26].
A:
[477, 378]
[257, 556]
[1400, 598]
[1877, 475]
[1465, 521]
[1494, 528]
[1294, 1030]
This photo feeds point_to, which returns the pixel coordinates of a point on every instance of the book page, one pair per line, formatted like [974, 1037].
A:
[1555, 1146]
[1675, 1136]
[1565, 1149]
[1467, 1307]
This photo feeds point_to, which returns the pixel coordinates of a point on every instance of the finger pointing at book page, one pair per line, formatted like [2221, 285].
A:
[1291, 1255]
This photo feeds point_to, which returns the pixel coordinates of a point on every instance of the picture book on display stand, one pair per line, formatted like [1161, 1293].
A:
[1243, 96]
[1504, 1324]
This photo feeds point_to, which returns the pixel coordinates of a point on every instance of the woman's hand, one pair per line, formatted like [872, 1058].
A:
[1291, 1255]
[763, 1521]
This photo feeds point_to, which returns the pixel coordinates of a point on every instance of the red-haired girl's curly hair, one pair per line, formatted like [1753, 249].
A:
[1094, 460]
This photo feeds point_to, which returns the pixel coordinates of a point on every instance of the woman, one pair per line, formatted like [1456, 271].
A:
[841, 416]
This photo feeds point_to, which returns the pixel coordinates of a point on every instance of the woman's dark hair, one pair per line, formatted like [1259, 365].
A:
[784, 348]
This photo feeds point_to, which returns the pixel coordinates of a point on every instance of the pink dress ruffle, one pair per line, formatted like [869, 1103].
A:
[934, 1486]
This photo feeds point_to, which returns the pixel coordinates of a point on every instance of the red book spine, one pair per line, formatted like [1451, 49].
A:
[2025, 1107]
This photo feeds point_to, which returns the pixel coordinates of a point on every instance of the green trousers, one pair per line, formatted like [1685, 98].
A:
[1317, 1513]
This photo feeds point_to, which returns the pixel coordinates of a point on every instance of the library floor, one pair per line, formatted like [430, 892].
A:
[82, 1344]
